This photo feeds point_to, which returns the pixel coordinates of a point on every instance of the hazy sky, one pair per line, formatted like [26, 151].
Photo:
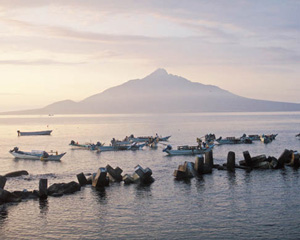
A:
[55, 50]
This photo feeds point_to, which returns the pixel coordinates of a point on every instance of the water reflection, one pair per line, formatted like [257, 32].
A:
[101, 195]
[231, 176]
[247, 177]
[3, 213]
[143, 191]
[44, 206]
[200, 183]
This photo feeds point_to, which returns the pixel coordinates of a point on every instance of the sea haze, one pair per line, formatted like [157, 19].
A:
[261, 204]
[161, 92]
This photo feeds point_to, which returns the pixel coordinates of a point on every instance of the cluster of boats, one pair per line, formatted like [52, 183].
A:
[204, 144]
[209, 142]
[128, 143]
[247, 139]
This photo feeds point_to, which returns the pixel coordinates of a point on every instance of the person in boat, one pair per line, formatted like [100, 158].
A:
[16, 149]
[113, 141]
[45, 154]
[72, 142]
[199, 141]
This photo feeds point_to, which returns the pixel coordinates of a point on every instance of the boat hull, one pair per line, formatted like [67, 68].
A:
[188, 151]
[37, 157]
[48, 132]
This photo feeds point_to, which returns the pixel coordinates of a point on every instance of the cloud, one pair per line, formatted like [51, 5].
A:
[37, 62]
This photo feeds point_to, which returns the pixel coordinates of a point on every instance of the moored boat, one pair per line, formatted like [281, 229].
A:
[132, 138]
[36, 155]
[234, 140]
[34, 133]
[187, 150]
[254, 137]
[89, 146]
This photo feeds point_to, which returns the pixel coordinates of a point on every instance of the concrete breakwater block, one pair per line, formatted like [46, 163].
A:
[184, 171]
[2, 181]
[144, 175]
[248, 159]
[82, 179]
[209, 160]
[140, 175]
[199, 164]
[190, 169]
[128, 179]
[101, 179]
[58, 189]
[114, 173]
[43, 188]
[17, 196]
[16, 173]
[288, 157]
[285, 157]
[231, 161]
[295, 161]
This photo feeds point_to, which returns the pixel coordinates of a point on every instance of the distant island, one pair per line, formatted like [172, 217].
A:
[161, 92]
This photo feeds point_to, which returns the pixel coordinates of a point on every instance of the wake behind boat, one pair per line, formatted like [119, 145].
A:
[36, 155]
[35, 133]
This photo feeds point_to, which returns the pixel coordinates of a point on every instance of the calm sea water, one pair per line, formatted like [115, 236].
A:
[261, 204]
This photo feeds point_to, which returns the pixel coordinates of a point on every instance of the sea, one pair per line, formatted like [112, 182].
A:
[257, 204]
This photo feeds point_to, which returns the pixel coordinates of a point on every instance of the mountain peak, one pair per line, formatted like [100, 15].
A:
[160, 72]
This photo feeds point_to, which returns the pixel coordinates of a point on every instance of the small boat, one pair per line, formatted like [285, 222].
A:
[146, 138]
[234, 140]
[120, 147]
[254, 137]
[89, 146]
[164, 139]
[266, 138]
[47, 132]
[36, 155]
[298, 135]
[187, 150]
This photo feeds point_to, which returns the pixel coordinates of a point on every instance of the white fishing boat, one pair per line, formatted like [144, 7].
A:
[35, 133]
[187, 150]
[36, 155]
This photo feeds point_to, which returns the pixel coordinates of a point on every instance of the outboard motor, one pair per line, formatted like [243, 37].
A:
[168, 148]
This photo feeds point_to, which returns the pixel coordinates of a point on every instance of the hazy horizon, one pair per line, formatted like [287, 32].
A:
[53, 51]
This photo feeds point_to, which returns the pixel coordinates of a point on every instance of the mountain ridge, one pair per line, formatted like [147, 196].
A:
[161, 92]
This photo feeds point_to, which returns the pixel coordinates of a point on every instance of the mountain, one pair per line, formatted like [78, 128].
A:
[161, 92]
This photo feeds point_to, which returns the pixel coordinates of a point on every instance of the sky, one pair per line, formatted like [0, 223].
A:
[55, 50]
